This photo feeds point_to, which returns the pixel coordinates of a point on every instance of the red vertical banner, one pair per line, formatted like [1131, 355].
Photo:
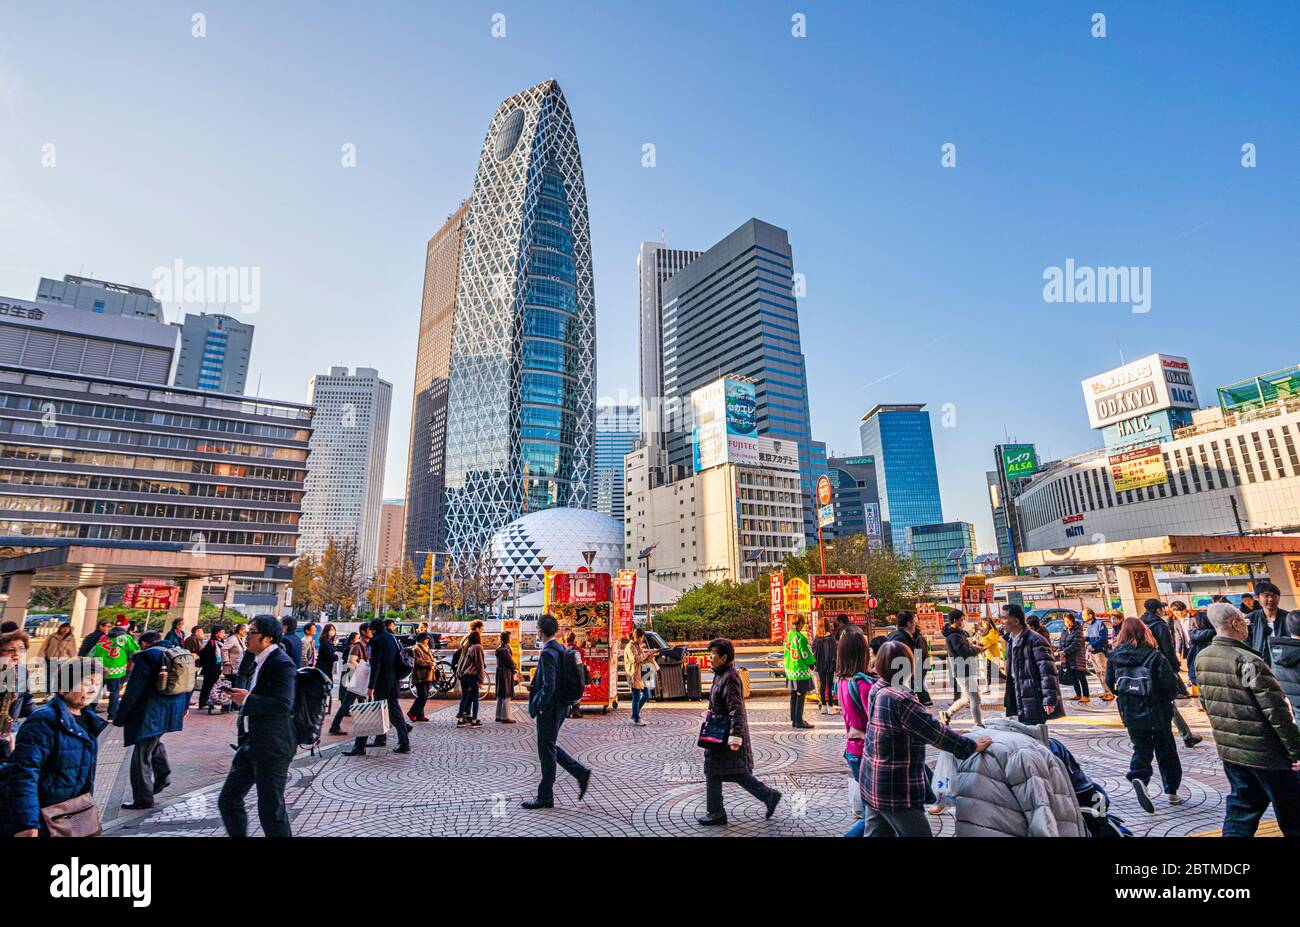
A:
[624, 599]
[777, 586]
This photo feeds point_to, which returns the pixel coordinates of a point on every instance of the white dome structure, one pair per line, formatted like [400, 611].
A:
[554, 539]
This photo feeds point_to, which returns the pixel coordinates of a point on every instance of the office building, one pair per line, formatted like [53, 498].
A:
[101, 297]
[898, 437]
[855, 499]
[345, 474]
[521, 400]
[655, 263]
[732, 312]
[618, 429]
[946, 550]
[1234, 470]
[392, 522]
[214, 353]
[726, 522]
[54, 337]
[1014, 466]
[427, 452]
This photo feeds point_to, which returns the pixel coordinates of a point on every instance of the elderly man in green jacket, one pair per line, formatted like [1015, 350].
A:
[1254, 728]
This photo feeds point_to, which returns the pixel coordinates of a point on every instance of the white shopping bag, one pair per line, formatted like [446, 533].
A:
[945, 771]
[359, 682]
[370, 719]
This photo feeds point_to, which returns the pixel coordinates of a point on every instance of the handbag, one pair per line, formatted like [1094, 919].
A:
[359, 683]
[714, 732]
[76, 817]
[370, 719]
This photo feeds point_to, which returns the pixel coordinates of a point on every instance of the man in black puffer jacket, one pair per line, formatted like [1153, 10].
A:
[1155, 621]
[1033, 692]
[1286, 659]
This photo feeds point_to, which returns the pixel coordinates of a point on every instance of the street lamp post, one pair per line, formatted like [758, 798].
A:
[645, 555]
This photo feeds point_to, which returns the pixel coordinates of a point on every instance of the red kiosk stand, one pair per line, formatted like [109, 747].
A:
[580, 602]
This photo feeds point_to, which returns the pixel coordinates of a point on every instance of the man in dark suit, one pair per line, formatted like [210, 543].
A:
[384, 657]
[145, 715]
[544, 705]
[266, 736]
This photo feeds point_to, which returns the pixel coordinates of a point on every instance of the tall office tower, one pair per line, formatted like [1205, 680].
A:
[618, 428]
[856, 500]
[214, 352]
[732, 311]
[426, 530]
[898, 436]
[100, 296]
[392, 518]
[655, 264]
[345, 471]
[521, 403]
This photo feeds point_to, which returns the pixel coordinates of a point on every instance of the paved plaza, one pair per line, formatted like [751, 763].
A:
[648, 781]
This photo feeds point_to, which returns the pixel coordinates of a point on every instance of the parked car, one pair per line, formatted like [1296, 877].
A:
[38, 624]
[1054, 619]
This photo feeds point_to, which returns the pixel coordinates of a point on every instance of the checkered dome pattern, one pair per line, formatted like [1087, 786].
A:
[528, 193]
[555, 539]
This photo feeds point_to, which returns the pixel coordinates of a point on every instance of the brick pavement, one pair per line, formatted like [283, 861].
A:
[648, 780]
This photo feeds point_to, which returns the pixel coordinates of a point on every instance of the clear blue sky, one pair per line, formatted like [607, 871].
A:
[924, 283]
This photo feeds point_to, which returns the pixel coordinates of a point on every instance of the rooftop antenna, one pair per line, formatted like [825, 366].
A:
[662, 239]
[1121, 350]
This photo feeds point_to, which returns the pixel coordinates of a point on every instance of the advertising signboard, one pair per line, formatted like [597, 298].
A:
[624, 601]
[1138, 468]
[778, 455]
[580, 602]
[725, 429]
[825, 496]
[871, 516]
[798, 600]
[928, 617]
[837, 584]
[1019, 461]
[151, 595]
[777, 606]
[1158, 381]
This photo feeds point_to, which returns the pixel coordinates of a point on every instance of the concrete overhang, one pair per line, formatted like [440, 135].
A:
[77, 566]
[1166, 548]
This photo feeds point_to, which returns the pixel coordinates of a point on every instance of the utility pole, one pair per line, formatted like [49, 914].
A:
[1236, 514]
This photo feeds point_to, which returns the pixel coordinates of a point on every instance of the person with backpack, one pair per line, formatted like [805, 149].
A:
[387, 669]
[1098, 637]
[157, 697]
[731, 759]
[571, 644]
[267, 739]
[1154, 618]
[852, 659]
[557, 684]
[470, 670]
[1145, 685]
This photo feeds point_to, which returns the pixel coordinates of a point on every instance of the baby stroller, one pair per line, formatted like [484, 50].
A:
[219, 697]
[1092, 798]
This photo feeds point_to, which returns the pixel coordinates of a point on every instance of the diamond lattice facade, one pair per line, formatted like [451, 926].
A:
[521, 401]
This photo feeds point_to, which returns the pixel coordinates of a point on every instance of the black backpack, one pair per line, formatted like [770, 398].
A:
[405, 662]
[311, 692]
[571, 679]
[1136, 681]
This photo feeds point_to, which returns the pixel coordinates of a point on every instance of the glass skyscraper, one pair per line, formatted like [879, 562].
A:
[947, 549]
[618, 428]
[899, 438]
[521, 398]
[732, 311]
[655, 263]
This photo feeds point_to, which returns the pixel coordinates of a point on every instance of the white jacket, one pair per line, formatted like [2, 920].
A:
[1015, 788]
